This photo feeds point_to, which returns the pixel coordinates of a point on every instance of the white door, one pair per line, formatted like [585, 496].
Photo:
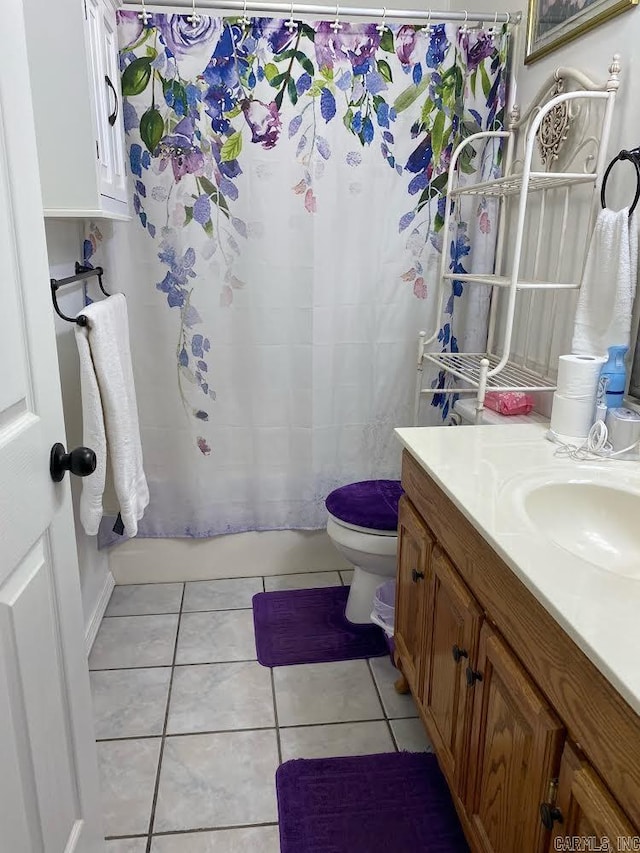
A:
[48, 775]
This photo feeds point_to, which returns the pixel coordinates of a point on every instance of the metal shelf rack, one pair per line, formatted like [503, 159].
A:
[546, 132]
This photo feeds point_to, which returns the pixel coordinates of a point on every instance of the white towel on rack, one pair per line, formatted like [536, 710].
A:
[607, 290]
[110, 415]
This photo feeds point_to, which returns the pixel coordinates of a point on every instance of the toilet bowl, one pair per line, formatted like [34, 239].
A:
[363, 521]
[362, 524]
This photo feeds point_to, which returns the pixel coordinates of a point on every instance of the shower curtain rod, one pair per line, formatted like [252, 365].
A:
[336, 10]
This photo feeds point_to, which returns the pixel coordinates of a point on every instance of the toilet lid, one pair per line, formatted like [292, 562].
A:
[371, 504]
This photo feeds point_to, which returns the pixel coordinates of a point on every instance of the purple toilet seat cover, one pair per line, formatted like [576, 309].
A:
[370, 503]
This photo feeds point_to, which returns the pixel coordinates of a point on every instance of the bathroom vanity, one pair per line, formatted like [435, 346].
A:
[521, 653]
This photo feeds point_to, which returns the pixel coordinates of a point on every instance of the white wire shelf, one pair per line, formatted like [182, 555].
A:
[466, 366]
[505, 281]
[512, 185]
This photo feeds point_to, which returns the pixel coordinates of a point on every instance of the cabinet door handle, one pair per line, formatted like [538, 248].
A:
[472, 676]
[459, 653]
[549, 815]
[114, 114]
[417, 576]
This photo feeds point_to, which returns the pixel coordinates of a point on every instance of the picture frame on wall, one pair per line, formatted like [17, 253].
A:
[553, 23]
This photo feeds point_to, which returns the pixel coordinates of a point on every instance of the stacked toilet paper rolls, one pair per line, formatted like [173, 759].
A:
[574, 401]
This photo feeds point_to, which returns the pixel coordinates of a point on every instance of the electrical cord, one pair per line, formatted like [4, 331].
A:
[595, 446]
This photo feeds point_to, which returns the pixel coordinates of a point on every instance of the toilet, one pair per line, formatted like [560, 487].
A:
[363, 525]
[363, 521]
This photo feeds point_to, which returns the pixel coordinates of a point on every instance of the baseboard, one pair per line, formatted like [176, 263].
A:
[98, 612]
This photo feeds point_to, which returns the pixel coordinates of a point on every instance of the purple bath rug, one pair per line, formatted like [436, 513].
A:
[309, 626]
[396, 802]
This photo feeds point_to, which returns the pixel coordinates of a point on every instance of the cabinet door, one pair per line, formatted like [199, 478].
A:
[453, 629]
[585, 809]
[116, 185]
[514, 752]
[414, 552]
[103, 53]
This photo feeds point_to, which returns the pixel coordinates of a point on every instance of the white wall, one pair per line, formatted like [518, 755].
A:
[64, 243]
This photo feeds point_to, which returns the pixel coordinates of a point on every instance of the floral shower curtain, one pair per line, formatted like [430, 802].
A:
[287, 183]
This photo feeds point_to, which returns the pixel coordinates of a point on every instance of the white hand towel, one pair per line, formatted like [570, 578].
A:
[608, 287]
[110, 414]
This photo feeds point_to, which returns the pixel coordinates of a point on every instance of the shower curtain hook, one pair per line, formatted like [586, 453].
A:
[291, 25]
[144, 16]
[244, 20]
[428, 28]
[493, 28]
[464, 29]
[336, 25]
[194, 19]
[381, 27]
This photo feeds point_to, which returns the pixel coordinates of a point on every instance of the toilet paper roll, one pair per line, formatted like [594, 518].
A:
[572, 416]
[578, 375]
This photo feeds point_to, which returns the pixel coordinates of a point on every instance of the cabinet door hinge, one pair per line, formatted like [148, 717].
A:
[553, 790]
[85, 9]
[97, 150]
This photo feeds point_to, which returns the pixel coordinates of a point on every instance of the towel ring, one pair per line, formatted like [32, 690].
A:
[633, 157]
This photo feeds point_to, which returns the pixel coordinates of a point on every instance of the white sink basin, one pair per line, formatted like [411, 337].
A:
[594, 521]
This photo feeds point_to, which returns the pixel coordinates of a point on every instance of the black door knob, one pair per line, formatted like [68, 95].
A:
[459, 653]
[81, 462]
[417, 576]
[549, 814]
[472, 676]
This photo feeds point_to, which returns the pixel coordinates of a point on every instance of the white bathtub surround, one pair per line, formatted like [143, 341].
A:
[491, 474]
[252, 554]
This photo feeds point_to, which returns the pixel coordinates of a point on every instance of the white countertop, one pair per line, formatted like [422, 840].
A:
[483, 469]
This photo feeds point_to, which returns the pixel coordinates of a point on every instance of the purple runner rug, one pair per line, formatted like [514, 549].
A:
[396, 802]
[309, 626]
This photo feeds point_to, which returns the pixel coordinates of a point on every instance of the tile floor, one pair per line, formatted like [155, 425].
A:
[191, 728]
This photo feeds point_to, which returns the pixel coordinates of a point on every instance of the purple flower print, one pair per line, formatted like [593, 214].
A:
[191, 45]
[437, 47]
[355, 42]
[129, 28]
[405, 42]
[179, 149]
[479, 51]
[264, 121]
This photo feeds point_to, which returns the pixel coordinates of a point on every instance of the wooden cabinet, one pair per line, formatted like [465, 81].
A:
[452, 624]
[414, 554]
[514, 754]
[584, 808]
[77, 102]
[502, 690]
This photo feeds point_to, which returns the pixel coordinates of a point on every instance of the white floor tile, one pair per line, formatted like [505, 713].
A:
[304, 580]
[220, 696]
[254, 839]
[124, 641]
[229, 594]
[395, 704]
[217, 780]
[225, 635]
[145, 599]
[335, 740]
[325, 693]
[411, 736]
[127, 780]
[347, 577]
[126, 845]
[129, 702]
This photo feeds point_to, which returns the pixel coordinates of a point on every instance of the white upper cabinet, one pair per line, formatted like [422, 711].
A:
[75, 81]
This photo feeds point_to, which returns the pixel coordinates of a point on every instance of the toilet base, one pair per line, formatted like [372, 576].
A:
[360, 601]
